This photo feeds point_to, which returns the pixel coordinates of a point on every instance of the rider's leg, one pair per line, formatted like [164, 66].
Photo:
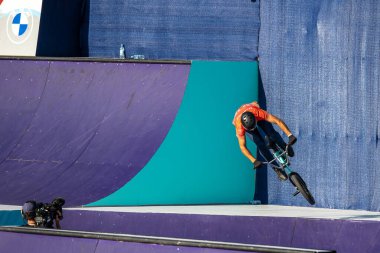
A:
[273, 137]
[256, 137]
[268, 156]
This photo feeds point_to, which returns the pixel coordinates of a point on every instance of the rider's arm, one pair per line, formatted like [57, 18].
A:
[281, 124]
[243, 148]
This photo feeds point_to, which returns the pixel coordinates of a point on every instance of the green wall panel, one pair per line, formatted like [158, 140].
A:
[199, 161]
[11, 218]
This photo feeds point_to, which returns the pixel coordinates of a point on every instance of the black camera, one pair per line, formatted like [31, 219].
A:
[47, 213]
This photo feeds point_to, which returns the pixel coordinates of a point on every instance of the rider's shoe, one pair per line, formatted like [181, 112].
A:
[290, 151]
[281, 174]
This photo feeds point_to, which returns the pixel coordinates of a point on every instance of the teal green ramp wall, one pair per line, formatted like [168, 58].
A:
[199, 161]
[11, 218]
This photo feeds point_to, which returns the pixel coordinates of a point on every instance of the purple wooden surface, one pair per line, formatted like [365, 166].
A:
[81, 130]
[124, 247]
[359, 237]
[33, 243]
[29, 243]
[263, 230]
[317, 232]
[21, 86]
[348, 236]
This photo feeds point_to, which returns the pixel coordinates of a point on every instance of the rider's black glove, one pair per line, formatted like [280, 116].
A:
[257, 164]
[292, 140]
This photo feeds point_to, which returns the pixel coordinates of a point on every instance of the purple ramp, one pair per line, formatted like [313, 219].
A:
[34, 243]
[240, 229]
[342, 235]
[81, 130]
[21, 87]
[129, 247]
[28, 243]
[359, 236]
[320, 233]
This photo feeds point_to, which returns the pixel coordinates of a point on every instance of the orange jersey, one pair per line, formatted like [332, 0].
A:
[259, 113]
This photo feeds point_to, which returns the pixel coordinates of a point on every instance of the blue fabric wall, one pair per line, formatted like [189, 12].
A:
[164, 29]
[319, 63]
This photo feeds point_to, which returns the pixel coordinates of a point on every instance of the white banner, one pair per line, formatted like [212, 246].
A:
[19, 24]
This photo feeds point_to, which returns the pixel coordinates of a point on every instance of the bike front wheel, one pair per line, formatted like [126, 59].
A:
[302, 187]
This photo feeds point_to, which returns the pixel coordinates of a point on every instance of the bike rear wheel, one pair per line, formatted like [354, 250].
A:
[302, 187]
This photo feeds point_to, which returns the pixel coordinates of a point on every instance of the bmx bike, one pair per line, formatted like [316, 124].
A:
[281, 161]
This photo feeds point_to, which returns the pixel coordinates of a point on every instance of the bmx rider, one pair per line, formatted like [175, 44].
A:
[246, 119]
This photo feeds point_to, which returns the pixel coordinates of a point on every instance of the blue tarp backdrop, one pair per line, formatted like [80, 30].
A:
[165, 29]
[319, 63]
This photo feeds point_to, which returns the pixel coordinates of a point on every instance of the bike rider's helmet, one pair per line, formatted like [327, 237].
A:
[248, 121]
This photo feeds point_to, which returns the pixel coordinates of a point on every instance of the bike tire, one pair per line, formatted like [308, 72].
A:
[302, 187]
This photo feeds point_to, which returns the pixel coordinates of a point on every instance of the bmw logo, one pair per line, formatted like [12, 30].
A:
[19, 26]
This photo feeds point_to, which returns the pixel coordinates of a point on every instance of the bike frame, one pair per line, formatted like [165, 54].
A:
[282, 158]
[279, 155]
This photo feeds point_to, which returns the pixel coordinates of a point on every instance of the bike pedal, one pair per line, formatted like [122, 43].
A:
[296, 193]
